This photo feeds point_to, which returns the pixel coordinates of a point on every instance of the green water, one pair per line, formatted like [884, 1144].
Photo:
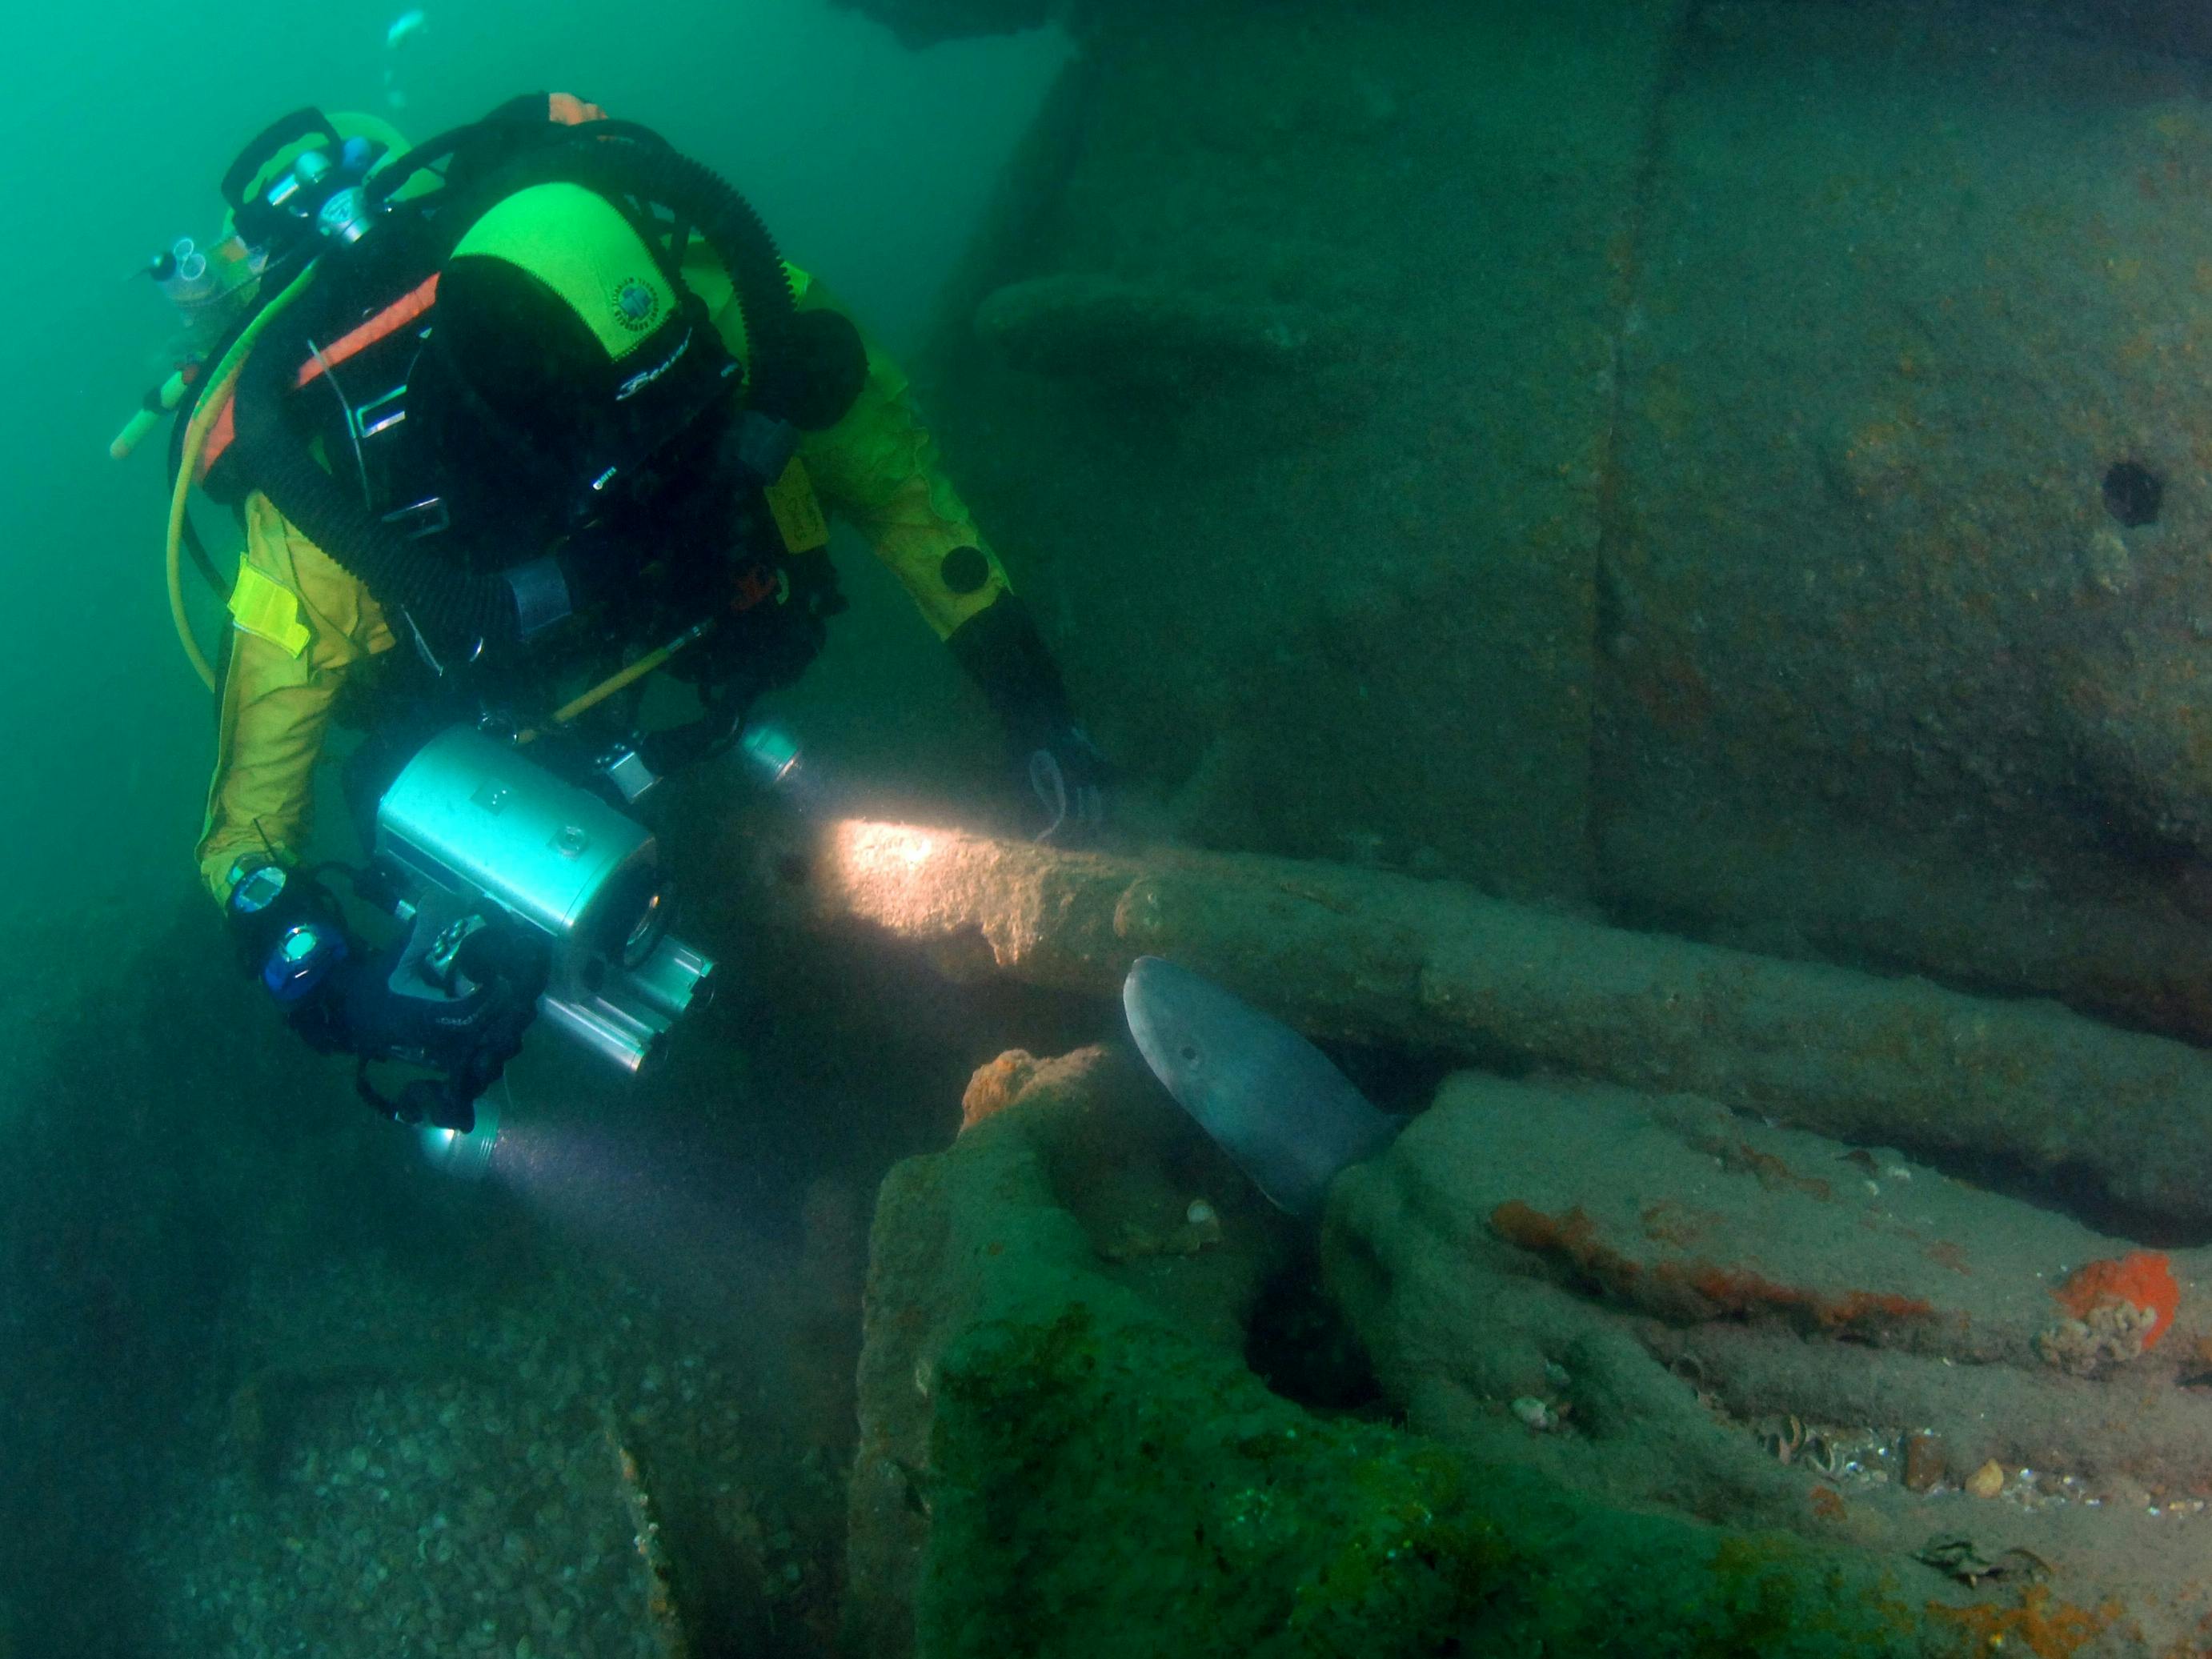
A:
[1722, 475]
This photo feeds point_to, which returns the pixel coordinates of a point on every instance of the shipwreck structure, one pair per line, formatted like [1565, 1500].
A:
[1649, 1305]
[1656, 552]
[1738, 463]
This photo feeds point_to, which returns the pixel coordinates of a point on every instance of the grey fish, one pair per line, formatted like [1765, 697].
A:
[1270, 1099]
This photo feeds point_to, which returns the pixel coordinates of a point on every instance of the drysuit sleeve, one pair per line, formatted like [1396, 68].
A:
[877, 470]
[300, 624]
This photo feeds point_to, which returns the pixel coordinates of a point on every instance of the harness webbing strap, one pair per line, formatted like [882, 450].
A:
[382, 326]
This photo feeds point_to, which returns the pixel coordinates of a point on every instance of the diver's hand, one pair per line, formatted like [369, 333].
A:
[1000, 648]
[1068, 776]
[779, 619]
[460, 1010]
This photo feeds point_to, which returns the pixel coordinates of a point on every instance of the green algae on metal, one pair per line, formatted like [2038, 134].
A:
[1106, 1488]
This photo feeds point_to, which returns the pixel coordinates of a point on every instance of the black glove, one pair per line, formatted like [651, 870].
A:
[1000, 648]
[457, 1004]
[455, 998]
[778, 620]
[1068, 776]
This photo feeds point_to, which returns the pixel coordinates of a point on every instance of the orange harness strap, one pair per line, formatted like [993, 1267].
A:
[565, 109]
[382, 326]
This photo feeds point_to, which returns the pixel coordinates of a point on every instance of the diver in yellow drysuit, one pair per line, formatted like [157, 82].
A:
[566, 406]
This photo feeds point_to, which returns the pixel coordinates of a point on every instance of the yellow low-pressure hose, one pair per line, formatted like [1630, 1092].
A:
[614, 682]
[221, 385]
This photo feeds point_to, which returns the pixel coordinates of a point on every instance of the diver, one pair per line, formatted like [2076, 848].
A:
[514, 417]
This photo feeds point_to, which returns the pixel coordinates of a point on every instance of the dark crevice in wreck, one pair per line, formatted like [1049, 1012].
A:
[1300, 1345]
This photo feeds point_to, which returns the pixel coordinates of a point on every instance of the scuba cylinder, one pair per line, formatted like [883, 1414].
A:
[298, 187]
[209, 287]
[318, 194]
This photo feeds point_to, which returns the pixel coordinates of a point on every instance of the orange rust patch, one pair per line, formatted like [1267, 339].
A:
[1532, 1229]
[1827, 1503]
[2143, 1278]
[1944, 1253]
[1690, 1288]
[1773, 1173]
[1732, 1292]
[1871, 1308]
[2038, 1626]
[1572, 1237]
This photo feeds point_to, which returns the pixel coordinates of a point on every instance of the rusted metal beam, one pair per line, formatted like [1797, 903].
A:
[1370, 957]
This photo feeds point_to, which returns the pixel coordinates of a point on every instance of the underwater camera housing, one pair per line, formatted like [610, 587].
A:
[471, 823]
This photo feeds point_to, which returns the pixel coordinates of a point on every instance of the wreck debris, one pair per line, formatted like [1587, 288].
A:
[1740, 1342]
[1959, 1557]
[663, 1624]
[1365, 956]
[1988, 1480]
[1924, 1462]
[1086, 325]
[2172, 29]
[1093, 1433]
[2113, 1333]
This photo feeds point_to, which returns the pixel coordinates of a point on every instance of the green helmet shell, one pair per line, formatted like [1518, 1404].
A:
[578, 246]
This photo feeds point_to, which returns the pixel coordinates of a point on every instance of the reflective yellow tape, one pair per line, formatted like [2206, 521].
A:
[265, 608]
[798, 514]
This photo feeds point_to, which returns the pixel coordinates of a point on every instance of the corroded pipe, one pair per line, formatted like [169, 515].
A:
[1375, 958]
